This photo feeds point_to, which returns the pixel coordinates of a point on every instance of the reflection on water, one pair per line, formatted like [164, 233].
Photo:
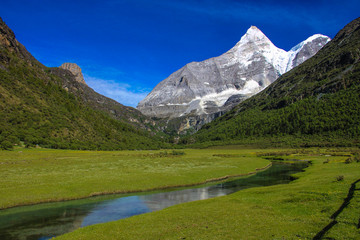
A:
[115, 209]
[53, 219]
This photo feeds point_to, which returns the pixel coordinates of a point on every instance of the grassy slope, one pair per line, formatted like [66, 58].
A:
[294, 211]
[35, 108]
[39, 175]
[318, 99]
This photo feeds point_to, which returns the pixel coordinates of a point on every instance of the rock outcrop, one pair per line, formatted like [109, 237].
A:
[35, 109]
[71, 83]
[74, 69]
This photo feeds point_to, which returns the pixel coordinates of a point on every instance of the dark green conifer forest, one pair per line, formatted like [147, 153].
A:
[317, 103]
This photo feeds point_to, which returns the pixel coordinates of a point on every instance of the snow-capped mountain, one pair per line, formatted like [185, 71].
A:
[216, 84]
[306, 49]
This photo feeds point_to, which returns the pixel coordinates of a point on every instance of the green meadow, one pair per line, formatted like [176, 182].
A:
[30, 176]
[299, 210]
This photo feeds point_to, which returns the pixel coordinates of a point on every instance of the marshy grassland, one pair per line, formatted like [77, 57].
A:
[326, 194]
[299, 210]
[30, 176]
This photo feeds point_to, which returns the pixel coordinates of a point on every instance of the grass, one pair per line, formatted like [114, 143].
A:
[298, 210]
[30, 176]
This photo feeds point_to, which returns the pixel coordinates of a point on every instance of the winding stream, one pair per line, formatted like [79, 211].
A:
[44, 221]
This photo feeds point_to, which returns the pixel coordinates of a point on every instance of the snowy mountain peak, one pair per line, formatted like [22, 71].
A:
[253, 30]
[216, 84]
[253, 34]
[254, 46]
[309, 40]
[316, 36]
[308, 47]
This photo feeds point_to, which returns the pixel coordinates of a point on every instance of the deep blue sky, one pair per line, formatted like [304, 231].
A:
[126, 47]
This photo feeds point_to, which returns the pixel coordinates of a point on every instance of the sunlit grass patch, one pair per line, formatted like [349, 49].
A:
[30, 176]
[299, 210]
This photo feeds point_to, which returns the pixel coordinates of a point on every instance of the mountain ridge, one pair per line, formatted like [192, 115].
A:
[37, 110]
[71, 83]
[315, 103]
[202, 88]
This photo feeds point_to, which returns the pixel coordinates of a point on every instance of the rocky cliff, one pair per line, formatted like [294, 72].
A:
[75, 70]
[204, 90]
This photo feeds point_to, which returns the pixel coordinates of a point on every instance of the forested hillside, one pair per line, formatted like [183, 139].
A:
[316, 103]
[36, 110]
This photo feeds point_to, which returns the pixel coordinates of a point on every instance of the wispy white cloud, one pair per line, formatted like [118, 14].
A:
[120, 92]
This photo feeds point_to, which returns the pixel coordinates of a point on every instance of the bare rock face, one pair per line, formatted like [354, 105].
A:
[204, 87]
[217, 84]
[74, 69]
[306, 49]
[9, 43]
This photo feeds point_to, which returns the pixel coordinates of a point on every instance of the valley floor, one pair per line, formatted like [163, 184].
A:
[299, 210]
[30, 176]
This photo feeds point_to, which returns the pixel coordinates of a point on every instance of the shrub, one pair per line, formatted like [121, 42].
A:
[6, 145]
[357, 157]
[178, 152]
[340, 178]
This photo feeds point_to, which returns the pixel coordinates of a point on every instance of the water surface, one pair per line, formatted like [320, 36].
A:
[44, 221]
